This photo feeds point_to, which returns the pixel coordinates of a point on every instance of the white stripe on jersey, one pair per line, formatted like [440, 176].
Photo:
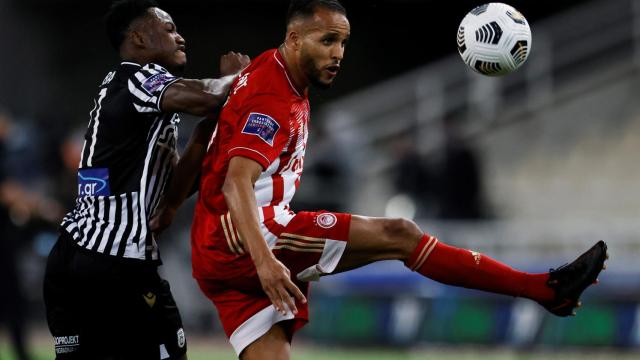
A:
[99, 222]
[110, 225]
[263, 187]
[122, 226]
[268, 235]
[96, 122]
[145, 173]
[283, 215]
[129, 250]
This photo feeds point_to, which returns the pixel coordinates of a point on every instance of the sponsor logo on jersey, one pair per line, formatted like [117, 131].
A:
[263, 126]
[181, 338]
[66, 344]
[242, 82]
[93, 182]
[150, 298]
[326, 220]
[154, 82]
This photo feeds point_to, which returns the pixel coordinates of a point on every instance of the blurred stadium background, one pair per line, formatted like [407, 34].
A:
[531, 168]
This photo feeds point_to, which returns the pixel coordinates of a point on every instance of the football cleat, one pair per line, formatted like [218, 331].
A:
[570, 280]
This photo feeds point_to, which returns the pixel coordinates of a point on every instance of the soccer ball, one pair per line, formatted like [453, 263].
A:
[494, 39]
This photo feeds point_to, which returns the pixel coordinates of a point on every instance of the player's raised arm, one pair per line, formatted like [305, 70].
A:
[238, 190]
[204, 96]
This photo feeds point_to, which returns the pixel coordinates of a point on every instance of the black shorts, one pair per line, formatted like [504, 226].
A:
[106, 308]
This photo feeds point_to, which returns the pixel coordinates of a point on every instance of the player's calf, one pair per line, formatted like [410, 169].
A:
[465, 268]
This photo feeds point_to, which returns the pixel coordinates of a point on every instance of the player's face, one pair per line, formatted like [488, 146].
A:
[167, 46]
[323, 45]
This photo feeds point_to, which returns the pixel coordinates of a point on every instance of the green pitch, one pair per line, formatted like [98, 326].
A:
[312, 353]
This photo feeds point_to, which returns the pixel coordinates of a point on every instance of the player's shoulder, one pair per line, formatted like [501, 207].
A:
[265, 77]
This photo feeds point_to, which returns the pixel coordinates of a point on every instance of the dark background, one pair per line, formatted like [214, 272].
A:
[54, 53]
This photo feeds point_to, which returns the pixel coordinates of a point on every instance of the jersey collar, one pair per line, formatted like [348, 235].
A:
[280, 61]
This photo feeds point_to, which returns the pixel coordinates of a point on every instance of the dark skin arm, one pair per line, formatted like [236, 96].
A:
[238, 190]
[184, 175]
[205, 96]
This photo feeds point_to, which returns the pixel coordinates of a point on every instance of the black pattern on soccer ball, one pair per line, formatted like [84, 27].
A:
[460, 39]
[489, 33]
[487, 68]
[520, 51]
[480, 9]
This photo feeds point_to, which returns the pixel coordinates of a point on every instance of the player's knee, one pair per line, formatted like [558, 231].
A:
[404, 234]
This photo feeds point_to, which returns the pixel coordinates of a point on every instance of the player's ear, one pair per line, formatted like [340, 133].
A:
[137, 38]
[293, 40]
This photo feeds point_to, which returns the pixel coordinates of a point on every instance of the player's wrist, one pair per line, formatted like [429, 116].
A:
[262, 258]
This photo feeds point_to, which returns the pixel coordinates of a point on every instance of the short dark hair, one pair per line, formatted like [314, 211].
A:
[121, 14]
[306, 8]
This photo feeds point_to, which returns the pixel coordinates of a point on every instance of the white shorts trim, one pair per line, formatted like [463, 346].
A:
[331, 255]
[256, 326]
[164, 354]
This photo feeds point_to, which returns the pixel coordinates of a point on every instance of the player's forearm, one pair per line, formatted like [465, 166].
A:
[241, 201]
[219, 86]
[189, 165]
[213, 86]
[196, 97]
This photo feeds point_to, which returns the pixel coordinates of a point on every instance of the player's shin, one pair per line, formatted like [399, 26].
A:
[460, 267]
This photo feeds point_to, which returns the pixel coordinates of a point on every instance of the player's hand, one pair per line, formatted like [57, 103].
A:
[162, 218]
[233, 62]
[276, 283]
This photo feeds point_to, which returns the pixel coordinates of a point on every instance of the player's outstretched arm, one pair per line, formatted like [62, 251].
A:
[184, 176]
[241, 200]
[205, 96]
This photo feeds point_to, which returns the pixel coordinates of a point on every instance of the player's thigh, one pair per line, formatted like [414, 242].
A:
[60, 302]
[127, 311]
[274, 344]
[169, 331]
[374, 239]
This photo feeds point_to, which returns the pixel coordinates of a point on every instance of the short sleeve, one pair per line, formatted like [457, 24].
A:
[262, 131]
[147, 86]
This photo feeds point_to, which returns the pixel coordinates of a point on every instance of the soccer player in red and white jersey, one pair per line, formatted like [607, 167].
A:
[253, 256]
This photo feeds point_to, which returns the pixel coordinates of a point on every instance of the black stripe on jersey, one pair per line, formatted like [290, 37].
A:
[142, 229]
[102, 225]
[134, 238]
[158, 178]
[89, 136]
[116, 220]
[87, 205]
[126, 235]
[90, 225]
[153, 184]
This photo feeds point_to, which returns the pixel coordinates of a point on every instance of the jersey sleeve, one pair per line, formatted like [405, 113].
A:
[147, 86]
[262, 131]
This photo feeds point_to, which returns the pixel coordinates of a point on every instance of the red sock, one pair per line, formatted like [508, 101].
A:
[460, 267]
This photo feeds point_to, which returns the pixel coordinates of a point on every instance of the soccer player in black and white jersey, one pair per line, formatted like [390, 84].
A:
[103, 295]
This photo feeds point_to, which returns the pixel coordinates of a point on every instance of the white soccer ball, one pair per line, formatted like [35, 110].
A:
[494, 39]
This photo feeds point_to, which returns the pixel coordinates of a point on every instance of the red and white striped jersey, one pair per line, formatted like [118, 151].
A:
[265, 119]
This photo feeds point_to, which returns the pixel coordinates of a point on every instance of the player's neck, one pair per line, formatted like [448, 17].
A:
[292, 67]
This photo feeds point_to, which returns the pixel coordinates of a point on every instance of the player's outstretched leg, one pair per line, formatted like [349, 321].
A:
[374, 239]
[570, 280]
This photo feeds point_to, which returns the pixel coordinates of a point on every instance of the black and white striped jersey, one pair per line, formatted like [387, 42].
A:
[127, 158]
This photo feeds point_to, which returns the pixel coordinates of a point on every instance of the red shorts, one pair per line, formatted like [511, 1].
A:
[309, 244]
